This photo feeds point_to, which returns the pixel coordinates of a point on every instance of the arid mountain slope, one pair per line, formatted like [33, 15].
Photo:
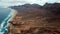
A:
[36, 19]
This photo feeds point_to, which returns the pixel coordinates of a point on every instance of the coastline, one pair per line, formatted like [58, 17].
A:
[13, 15]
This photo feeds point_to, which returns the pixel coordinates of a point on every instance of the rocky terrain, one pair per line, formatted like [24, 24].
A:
[36, 19]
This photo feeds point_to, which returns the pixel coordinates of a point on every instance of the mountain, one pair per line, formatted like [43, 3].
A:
[25, 7]
[54, 8]
[36, 19]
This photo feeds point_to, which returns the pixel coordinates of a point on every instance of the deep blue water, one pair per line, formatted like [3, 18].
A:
[5, 15]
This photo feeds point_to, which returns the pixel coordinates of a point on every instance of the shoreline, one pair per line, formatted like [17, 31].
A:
[13, 15]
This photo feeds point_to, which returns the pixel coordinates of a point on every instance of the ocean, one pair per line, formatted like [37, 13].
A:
[5, 15]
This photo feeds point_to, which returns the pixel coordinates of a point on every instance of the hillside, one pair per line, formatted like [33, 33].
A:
[36, 19]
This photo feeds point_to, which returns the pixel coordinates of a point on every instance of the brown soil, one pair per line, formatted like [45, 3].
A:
[35, 22]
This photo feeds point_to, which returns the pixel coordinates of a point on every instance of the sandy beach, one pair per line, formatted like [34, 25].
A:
[14, 14]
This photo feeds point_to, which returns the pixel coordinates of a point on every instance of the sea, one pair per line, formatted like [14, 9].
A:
[5, 15]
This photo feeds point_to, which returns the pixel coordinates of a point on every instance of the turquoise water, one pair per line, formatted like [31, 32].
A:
[5, 15]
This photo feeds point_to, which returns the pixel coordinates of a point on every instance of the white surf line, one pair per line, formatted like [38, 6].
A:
[3, 22]
[11, 14]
